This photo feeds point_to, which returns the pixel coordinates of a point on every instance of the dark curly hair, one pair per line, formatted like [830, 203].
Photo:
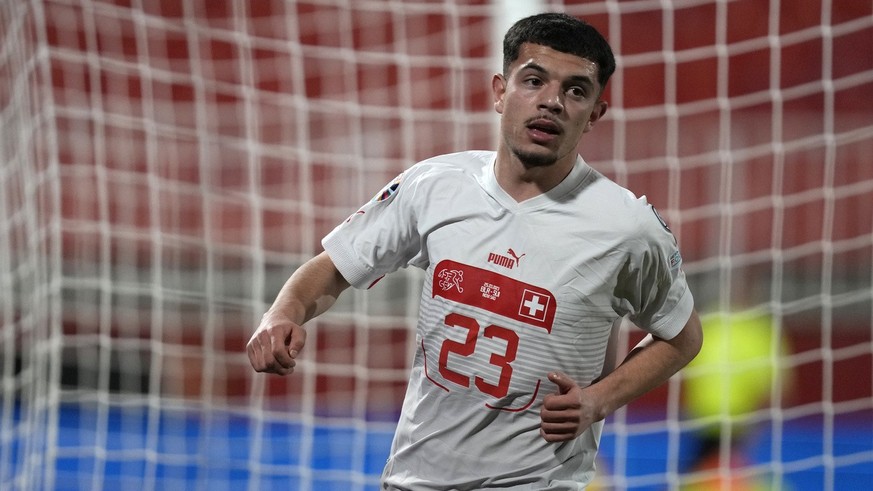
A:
[564, 33]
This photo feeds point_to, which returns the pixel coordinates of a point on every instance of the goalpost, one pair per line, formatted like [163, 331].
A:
[164, 166]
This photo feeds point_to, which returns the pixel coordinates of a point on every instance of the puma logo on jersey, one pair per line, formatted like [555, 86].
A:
[505, 261]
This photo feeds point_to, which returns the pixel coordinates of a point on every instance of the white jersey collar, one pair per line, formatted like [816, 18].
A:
[488, 180]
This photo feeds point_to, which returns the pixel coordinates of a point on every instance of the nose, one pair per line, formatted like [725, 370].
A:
[552, 100]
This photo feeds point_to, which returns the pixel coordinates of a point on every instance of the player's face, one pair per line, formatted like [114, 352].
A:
[547, 101]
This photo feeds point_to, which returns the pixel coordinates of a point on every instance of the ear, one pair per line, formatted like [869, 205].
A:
[598, 112]
[498, 90]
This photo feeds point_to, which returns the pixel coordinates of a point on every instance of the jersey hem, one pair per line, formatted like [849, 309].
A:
[345, 261]
[671, 325]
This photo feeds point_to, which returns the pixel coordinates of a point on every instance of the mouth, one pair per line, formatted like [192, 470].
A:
[543, 130]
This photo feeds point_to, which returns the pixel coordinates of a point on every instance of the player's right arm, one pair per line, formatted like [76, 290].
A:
[309, 292]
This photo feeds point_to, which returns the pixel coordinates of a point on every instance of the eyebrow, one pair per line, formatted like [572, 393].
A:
[578, 79]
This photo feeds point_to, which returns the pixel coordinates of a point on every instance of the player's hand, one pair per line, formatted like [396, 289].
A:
[274, 346]
[566, 413]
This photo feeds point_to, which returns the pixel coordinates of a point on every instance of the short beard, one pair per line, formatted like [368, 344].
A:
[532, 160]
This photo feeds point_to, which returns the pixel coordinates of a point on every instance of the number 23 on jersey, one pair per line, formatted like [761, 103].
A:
[523, 306]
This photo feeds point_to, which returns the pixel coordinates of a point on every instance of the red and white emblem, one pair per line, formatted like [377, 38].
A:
[451, 279]
[534, 305]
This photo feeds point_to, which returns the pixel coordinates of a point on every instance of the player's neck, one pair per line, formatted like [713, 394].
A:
[522, 182]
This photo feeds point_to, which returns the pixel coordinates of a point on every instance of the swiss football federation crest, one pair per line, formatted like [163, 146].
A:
[451, 279]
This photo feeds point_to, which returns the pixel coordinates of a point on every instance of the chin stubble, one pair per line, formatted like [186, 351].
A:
[535, 160]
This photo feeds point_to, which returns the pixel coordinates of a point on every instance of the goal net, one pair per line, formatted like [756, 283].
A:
[164, 166]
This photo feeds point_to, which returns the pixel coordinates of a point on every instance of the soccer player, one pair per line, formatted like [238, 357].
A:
[531, 257]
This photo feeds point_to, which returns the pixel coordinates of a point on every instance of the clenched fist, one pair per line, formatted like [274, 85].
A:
[274, 346]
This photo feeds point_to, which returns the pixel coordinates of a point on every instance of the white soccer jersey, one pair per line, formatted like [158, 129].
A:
[513, 291]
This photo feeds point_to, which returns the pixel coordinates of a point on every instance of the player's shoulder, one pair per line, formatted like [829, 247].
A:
[635, 213]
[614, 196]
[466, 161]
[452, 166]
[431, 177]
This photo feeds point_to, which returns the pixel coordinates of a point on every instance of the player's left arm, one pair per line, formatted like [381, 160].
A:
[569, 411]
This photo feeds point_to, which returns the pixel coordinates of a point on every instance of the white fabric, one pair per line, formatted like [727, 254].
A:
[512, 292]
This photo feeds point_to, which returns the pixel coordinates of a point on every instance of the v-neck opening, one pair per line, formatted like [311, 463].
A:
[489, 181]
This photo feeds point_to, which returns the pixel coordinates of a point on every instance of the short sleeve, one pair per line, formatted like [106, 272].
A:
[652, 288]
[380, 237]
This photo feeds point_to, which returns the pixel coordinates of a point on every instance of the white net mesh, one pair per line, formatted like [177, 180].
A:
[165, 165]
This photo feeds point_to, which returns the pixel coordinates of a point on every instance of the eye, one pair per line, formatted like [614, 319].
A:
[577, 92]
[533, 81]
